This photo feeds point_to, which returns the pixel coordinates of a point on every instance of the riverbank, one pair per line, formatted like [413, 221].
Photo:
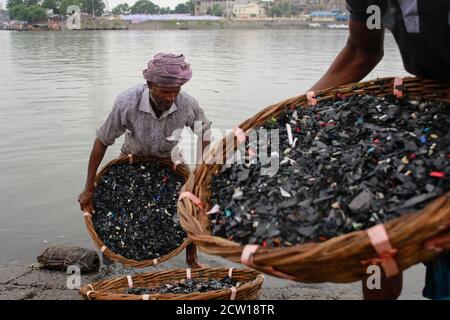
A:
[220, 24]
[19, 281]
[225, 24]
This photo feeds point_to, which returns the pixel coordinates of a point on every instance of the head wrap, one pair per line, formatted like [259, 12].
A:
[168, 70]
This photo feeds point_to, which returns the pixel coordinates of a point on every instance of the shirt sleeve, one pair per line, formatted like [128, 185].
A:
[199, 121]
[114, 126]
[358, 9]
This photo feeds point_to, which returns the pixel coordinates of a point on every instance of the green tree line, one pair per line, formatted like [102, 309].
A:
[148, 7]
[34, 10]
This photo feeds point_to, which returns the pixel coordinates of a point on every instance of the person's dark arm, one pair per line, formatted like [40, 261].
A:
[362, 52]
[86, 197]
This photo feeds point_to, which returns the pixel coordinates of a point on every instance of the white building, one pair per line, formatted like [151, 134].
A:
[248, 11]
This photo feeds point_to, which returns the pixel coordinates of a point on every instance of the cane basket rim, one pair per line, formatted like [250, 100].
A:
[181, 170]
[338, 259]
[108, 289]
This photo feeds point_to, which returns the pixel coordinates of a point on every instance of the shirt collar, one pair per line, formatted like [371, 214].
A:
[145, 106]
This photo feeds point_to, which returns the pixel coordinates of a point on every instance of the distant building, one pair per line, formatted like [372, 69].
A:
[323, 16]
[202, 6]
[326, 5]
[4, 17]
[248, 11]
[299, 7]
[306, 6]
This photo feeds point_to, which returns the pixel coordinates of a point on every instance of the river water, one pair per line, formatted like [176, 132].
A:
[56, 88]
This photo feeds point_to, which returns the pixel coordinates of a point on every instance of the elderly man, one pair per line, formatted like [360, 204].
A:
[148, 114]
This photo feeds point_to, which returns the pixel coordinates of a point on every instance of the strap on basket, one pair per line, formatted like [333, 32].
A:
[247, 259]
[88, 293]
[311, 96]
[233, 293]
[130, 281]
[398, 87]
[192, 197]
[188, 274]
[240, 136]
[380, 241]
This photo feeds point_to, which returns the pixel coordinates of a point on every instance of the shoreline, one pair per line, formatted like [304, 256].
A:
[183, 25]
[21, 281]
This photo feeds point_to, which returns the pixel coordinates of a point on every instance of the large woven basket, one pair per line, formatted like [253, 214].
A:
[181, 170]
[338, 259]
[112, 289]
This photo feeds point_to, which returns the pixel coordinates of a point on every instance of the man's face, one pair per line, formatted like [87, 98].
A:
[163, 96]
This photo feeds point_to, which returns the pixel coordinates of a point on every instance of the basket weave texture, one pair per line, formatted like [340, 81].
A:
[339, 259]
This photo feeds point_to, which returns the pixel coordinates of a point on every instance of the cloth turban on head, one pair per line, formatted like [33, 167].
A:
[168, 70]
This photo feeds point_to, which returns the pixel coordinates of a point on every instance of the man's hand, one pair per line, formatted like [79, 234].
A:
[442, 242]
[86, 200]
[86, 196]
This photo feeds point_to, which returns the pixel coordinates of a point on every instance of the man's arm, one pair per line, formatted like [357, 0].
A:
[363, 51]
[112, 128]
[201, 126]
[86, 197]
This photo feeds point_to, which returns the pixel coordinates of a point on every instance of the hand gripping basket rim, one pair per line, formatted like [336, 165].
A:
[108, 289]
[180, 169]
[339, 259]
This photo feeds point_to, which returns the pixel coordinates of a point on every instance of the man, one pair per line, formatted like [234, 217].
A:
[149, 114]
[422, 31]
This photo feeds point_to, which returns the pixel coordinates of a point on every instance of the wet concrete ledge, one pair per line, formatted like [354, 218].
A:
[19, 281]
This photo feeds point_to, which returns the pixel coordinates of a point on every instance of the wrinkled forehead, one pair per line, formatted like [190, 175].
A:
[165, 90]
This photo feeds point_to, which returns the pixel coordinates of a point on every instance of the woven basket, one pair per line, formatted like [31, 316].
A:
[112, 289]
[181, 170]
[338, 259]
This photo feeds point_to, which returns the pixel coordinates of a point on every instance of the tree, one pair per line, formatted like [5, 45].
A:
[85, 6]
[191, 6]
[36, 12]
[165, 10]
[12, 3]
[17, 12]
[181, 8]
[281, 9]
[67, 3]
[144, 7]
[187, 7]
[99, 7]
[215, 10]
[23, 13]
[122, 8]
[30, 3]
[51, 4]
